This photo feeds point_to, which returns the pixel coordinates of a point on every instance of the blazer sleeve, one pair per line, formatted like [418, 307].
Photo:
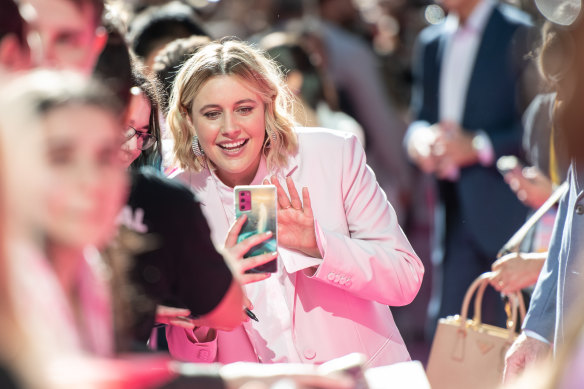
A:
[182, 349]
[376, 261]
[541, 316]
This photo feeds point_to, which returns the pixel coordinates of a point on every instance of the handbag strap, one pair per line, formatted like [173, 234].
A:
[513, 244]
[479, 285]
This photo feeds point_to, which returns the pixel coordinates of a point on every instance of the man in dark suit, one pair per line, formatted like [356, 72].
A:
[467, 103]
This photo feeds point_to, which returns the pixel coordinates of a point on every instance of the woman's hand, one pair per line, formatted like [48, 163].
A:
[234, 253]
[514, 272]
[295, 219]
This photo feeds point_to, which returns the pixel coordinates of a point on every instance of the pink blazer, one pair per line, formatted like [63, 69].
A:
[367, 265]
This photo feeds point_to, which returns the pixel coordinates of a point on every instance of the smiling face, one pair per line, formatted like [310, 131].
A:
[88, 180]
[228, 117]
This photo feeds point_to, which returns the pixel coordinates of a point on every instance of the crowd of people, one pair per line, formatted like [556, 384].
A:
[122, 262]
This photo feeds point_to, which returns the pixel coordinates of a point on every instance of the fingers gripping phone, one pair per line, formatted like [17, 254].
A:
[258, 202]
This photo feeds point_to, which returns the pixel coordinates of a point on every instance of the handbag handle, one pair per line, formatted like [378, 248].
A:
[479, 301]
[480, 284]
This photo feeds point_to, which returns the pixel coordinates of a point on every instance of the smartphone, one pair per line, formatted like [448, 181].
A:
[258, 202]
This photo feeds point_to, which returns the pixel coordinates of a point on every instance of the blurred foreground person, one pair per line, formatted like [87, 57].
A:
[14, 49]
[70, 32]
[80, 124]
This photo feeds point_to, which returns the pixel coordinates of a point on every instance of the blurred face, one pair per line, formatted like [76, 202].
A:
[69, 35]
[88, 182]
[228, 118]
[137, 120]
[24, 178]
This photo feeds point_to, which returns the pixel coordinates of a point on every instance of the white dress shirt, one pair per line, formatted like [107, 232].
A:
[462, 44]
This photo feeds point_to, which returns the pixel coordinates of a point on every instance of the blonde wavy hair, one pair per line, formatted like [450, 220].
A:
[233, 58]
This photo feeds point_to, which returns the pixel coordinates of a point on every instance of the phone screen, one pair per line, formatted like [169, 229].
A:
[258, 202]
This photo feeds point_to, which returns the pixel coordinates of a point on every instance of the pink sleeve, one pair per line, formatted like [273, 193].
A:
[182, 349]
[376, 261]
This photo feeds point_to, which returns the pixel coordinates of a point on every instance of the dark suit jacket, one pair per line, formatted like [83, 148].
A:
[487, 205]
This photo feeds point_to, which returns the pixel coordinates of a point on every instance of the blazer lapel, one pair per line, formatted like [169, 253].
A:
[207, 193]
[292, 166]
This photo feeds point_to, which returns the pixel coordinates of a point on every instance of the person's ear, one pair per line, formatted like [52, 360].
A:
[191, 125]
[187, 116]
[12, 55]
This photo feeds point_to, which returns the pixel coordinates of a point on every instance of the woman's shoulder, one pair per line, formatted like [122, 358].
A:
[321, 134]
[321, 142]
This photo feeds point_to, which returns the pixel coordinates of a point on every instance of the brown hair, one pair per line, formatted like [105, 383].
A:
[561, 63]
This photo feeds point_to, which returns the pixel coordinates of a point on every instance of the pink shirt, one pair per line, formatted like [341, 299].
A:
[45, 311]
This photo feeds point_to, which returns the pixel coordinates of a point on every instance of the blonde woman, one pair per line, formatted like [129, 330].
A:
[342, 257]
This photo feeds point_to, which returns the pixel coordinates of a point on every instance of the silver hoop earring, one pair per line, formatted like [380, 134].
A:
[273, 138]
[197, 150]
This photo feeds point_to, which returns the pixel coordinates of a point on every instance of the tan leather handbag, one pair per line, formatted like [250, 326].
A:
[468, 353]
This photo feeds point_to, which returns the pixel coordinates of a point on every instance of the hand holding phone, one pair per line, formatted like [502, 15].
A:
[258, 204]
[234, 253]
